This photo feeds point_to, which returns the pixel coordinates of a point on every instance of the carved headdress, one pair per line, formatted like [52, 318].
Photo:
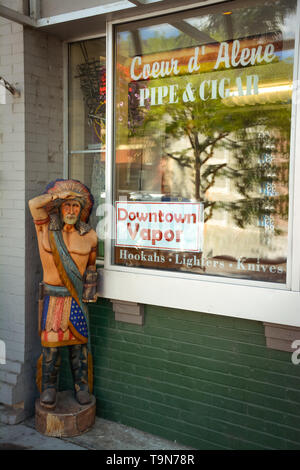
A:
[86, 201]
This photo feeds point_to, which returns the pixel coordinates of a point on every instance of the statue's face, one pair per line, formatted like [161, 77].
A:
[70, 211]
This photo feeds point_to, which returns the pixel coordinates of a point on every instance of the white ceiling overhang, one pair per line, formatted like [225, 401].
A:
[87, 22]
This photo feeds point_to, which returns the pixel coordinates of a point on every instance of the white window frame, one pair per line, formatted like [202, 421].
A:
[254, 300]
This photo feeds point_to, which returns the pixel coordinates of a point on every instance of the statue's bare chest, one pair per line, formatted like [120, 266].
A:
[75, 244]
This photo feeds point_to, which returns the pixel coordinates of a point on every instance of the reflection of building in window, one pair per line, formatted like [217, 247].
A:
[2, 352]
[205, 100]
[87, 96]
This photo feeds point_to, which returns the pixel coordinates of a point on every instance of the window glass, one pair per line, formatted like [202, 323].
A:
[87, 100]
[202, 140]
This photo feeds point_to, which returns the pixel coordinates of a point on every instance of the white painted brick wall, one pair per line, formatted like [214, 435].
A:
[8, 377]
[32, 62]
[44, 161]
[12, 192]
[12, 219]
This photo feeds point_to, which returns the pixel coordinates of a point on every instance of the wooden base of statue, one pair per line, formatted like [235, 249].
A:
[67, 419]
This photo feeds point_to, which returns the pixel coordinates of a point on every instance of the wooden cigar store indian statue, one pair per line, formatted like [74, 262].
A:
[67, 246]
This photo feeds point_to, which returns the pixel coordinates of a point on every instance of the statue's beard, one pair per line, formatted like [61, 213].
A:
[70, 219]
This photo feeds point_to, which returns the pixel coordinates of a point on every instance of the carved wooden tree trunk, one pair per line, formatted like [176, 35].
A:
[67, 419]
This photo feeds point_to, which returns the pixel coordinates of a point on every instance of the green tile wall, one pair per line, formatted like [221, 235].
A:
[206, 381]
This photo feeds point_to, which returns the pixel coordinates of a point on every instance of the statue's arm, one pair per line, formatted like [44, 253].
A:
[37, 206]
[90, 277]
[93, 252]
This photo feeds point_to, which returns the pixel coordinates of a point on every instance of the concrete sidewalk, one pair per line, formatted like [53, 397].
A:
[105, 435]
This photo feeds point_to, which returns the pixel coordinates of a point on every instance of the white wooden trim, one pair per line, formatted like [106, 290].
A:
[294, 177]
[252, 303]
[109, 139]
[85, 13]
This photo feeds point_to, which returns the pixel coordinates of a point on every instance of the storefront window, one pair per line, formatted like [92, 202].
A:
[87, 102]
[203, 104]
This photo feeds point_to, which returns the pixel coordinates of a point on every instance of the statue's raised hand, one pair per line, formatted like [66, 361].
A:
[66, 195]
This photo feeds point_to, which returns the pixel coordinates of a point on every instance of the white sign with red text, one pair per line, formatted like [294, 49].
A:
[160, 225]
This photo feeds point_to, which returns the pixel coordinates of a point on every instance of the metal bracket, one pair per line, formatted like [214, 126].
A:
[35, 9]
[17, 17]
[128, 312]
[9, 87]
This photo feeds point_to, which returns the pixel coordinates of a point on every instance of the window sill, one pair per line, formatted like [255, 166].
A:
[263, 303]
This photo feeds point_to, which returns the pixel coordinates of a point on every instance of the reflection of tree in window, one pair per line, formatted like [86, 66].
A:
[210, 127]
[92, 77]
[230, 153]
[237, 22]
[87, 90]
